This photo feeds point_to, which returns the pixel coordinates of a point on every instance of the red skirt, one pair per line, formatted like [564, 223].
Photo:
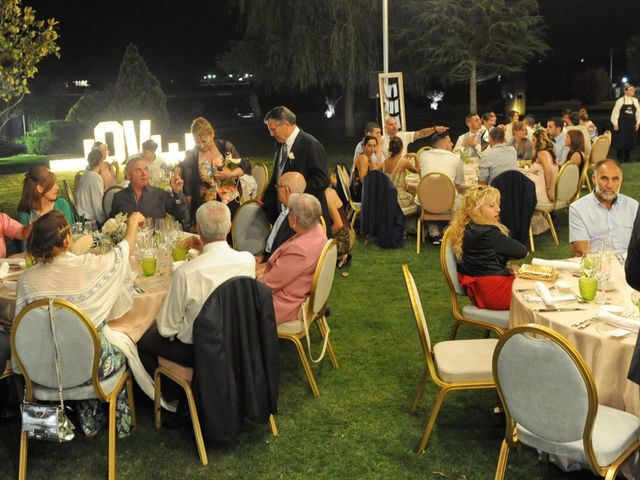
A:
[492, 292]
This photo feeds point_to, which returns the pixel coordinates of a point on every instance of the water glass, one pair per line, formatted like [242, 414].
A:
[588, 287]
[148, 262]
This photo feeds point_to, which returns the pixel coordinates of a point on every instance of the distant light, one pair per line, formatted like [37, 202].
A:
[230, 76]
[582, 60]
[625, 79]
[81, 83]
[499, 79]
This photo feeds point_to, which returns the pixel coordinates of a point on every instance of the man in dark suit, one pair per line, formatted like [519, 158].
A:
[288, 184]
[296, 151]
[632, 271]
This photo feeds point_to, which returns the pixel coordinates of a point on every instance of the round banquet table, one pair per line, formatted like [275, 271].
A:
[134, 323]
[608, 357]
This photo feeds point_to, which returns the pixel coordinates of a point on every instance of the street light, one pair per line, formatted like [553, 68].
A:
[625, 79]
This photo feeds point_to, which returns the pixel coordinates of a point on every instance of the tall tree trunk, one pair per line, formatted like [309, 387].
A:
[473, 88]
[348, 112]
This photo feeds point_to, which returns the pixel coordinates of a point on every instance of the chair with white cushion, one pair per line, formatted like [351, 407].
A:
[452, 364]
[312, 311]
[599, 151]
[436, 194]
[494, 320]
[260, 172]
[353, 208]
[107, 198]
[551, 404]
[32, 349]
[250, 228]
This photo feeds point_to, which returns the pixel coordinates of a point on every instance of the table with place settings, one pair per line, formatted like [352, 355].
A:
[607, 355]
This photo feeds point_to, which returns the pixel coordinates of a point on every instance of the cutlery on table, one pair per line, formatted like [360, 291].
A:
[564, 309]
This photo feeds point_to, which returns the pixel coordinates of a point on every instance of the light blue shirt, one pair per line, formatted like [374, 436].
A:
[590, 220]
[560, 148]
[498, 159]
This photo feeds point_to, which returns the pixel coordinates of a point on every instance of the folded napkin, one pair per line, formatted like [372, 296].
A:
[559, 264]
[618, 321]
[566, 297]
[545, 294]
[13, 261]
[4, 269]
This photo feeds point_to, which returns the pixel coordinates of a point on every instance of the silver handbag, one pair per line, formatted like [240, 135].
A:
[48, 422]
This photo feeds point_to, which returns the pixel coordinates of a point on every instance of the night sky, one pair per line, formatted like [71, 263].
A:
[180, 40]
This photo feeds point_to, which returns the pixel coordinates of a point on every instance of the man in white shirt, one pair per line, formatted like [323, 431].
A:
[288, 184]
[469, 142]
[488, 123]
[391, 129]
[442, 160]
[191, 285]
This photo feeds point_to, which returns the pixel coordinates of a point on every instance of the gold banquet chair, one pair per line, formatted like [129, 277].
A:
[566, 187]
[260, 172]
[353, 209]
[79, 354]
[107, 198]
[599, 151]
[452, 364]
[69, 194]
[494, 320]
[313, 311]
[250, 228]
[551, 404]
[436, 195]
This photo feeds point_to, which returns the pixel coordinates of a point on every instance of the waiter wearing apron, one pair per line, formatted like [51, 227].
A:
[625, 118]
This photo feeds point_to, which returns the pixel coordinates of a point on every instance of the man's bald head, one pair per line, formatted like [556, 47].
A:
[294, 181]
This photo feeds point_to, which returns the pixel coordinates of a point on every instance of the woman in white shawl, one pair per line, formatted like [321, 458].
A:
[100, 285]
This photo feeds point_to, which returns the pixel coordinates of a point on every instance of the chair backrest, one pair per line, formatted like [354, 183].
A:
[342, 178]
[260, 172]
[607, 134]
[69, 194]
[33, 348]
[421, 150]
[599, 149]
[545, 385]
[436, 193]
[567, 183]
[250, 228]
[449, 264]
[323, 278]
[76, 179]
[107, 198]
[418, 312]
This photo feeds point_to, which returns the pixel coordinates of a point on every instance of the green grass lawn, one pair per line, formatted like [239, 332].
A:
[360, 426]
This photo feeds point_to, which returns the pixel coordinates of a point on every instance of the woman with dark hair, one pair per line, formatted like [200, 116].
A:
[575, 141]
[395, 166]
[341, 230]
[40, 196]
[362, 166]
[100, 285]
[482, 247]
[206, 174]
[90, 190]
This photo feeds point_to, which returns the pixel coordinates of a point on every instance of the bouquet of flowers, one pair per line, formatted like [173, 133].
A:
[114, 229]
[227, 190]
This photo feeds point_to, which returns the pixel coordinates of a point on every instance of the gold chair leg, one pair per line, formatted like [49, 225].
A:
[196, 427]
[113, 401]
[272, 424]
[588, 182]
[307, 367]
[423, 383]
[454, 330]
[553, 228]
[132, 405]
[502, 460]
[323, 326]
[157, 407]
[355, 216]
[22, 469]
[418, 232]
[533, 246]
[432, 419]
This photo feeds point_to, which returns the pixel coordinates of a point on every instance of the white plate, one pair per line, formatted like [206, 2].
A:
[615, 309]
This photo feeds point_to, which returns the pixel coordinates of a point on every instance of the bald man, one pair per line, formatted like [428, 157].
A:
[288, 184]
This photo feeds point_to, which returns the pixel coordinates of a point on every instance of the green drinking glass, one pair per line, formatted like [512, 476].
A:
[148, 266]
[179, 253]
[588, 287]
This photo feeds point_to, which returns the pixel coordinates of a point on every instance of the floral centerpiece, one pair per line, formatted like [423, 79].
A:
[227, 190]
[113, 230]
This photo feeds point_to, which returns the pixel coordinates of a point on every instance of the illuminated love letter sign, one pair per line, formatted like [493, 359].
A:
[100, 134]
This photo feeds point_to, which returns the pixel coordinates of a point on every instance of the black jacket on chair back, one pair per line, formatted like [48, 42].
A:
[236, 358]
[517, 203]
[381, 215]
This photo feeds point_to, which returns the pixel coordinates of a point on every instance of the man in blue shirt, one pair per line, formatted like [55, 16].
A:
[604, 214]
[555, 129]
